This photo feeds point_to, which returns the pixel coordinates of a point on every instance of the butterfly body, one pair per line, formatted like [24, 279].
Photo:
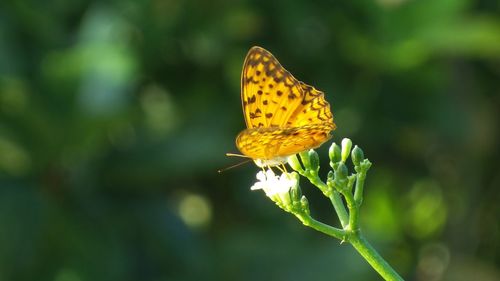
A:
[283, 115]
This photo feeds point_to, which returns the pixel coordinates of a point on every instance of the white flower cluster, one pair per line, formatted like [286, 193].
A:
[276, 187]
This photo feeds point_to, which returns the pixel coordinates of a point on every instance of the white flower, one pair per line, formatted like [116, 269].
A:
[276, 188]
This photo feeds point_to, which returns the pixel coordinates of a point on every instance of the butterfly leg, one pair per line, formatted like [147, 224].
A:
[282, 168]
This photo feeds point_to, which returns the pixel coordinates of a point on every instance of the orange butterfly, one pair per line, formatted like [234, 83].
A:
[283, 115]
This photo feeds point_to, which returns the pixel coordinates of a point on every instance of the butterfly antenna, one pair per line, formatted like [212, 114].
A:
[236, 155]
[235, 165]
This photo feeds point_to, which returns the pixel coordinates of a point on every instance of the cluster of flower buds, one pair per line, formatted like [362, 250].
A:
[285, 191]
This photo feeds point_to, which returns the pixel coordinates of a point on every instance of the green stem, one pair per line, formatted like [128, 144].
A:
[373, 257]
[339, 207]
[353, 210]
[349, 220]
[321, 227]
[316, 181]
[358, 192]
[334, 196]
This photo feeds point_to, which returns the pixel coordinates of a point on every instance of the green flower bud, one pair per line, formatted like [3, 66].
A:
[346, 148]
[295, 191]
[366, 164]
[340, 181]
[304, 157]
[330, 175]
[305, 205]
[357, 155]
[294, 162]
[313, 160]
[341, 172]
[334, 153]
[285, 200]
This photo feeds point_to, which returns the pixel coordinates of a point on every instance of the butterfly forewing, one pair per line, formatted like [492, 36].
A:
[269, 93]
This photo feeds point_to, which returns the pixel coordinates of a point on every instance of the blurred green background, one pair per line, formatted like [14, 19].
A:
[115, 117]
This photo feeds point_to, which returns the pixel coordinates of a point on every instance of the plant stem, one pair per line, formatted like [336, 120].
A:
[338, 184]
[353, 211]
[358, 192]
[321, 227]
[358, 242]
[339, 207]
[373, 257]
[334, 196]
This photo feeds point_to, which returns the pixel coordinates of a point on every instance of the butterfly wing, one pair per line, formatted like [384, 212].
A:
[283, 115]
[313, 109]
[270, 143]
[269, 93]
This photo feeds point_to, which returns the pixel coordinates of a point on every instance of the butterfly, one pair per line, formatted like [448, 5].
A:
[283, 115]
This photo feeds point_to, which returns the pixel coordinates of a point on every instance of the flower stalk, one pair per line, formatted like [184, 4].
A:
[339, 187]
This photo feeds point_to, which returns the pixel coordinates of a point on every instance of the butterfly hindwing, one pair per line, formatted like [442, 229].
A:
[269, 143]
[313, 109]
